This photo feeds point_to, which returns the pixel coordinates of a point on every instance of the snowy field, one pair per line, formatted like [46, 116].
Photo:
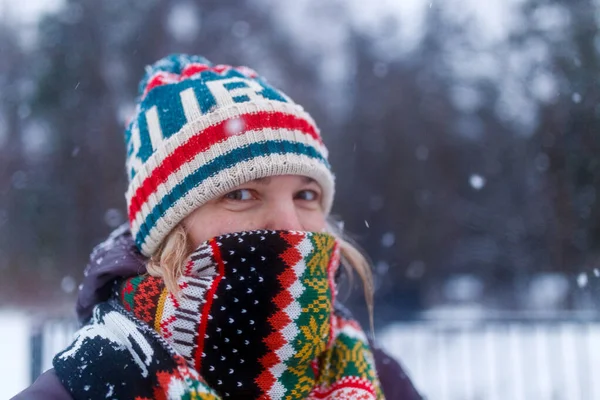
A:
[499, 360]
[447, 359]
[14, 353]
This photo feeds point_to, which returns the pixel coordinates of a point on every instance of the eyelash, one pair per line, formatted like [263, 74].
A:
[230, 195]
[315, 193]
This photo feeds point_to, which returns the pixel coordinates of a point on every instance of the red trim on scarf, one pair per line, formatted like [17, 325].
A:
[348, 382]
[209, 300]
[126, 290]
[335, 258]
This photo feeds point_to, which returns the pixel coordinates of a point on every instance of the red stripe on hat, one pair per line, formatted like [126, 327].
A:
[159, 79]
[203, 140]
[221, 68]
[194, 69]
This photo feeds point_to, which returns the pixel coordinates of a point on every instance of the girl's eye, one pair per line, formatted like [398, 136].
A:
[239, 195]
[307, 195]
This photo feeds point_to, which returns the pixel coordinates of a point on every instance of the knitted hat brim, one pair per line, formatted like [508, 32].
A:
[170, 210]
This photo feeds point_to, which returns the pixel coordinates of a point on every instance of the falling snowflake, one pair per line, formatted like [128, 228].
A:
[234, 126]
[582, 280]
[67, 284]
[183, 23]
[477, 182]
[388, 239]
[113, 217]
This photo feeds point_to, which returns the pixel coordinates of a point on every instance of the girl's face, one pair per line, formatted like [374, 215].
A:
[284, 202]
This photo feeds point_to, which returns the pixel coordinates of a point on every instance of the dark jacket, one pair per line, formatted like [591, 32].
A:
[118, 257]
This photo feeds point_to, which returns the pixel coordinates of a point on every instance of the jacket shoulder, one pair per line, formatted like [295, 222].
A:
[394, 381]
[46, 387]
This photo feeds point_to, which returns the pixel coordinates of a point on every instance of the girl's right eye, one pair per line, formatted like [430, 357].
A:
[239, 195]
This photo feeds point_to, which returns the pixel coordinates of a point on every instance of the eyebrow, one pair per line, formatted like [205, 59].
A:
[267, 179]
[263, 181]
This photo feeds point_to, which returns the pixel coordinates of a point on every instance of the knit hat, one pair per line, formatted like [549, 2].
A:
[199, 131]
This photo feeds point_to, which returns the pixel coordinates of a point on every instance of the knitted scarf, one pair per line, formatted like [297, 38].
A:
[254, 319]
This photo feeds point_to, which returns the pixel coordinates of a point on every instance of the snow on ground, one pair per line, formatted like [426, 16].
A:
[462, 357]
[498, 360]
[14, 353]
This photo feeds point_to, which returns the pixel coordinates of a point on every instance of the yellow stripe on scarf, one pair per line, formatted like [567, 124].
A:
[160, 308]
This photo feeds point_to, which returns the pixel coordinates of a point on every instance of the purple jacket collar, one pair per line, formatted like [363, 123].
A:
[116, 257]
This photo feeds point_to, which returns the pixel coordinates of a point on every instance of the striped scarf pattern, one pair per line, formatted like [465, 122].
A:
[254, 320]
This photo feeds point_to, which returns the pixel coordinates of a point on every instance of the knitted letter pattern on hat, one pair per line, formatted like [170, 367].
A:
[201, 130]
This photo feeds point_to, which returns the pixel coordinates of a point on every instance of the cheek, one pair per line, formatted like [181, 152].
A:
[206, 224]
[203, 225]
[313, 221]
[197, 233]
[230, 223]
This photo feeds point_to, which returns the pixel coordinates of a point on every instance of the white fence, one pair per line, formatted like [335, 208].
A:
[491, 359]
[505, 358]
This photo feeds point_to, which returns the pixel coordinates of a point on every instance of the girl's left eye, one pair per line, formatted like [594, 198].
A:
[307, 195]
[239, 194]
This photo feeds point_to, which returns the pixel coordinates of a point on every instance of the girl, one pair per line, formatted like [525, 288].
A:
[229, 194]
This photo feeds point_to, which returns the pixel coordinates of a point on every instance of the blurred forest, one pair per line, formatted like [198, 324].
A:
[466, 151]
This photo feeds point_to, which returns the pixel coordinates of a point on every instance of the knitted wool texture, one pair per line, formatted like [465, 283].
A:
[254, 320]
[200, 130]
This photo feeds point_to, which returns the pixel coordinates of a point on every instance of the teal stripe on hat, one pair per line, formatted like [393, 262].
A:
[221, 163]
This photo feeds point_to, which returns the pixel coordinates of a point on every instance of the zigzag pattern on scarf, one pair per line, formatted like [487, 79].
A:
[254, 319]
